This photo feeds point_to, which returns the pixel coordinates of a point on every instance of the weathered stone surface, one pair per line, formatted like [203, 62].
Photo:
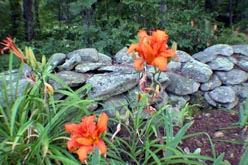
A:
[111, 84]
[118, 68]
[221, 70]
[220, 49]
[89, 66]
[204, 56]
[104, 59]
[209, 99]
[163, 77]
[56, 59]
[70, 63]
[181, 85]
[212, 83]
[174, 66]
[72, 79]
[230, 105]
[241, 90]
[115, 104]
[241, 61]
[122, 57]
[9, 76]
[232, 77]
[221, 63]
[86, 54]
[178, 101]
[182, 56]
[241, 49]
[243, 64]
[223, 94]
[14, 89]
[197, 71]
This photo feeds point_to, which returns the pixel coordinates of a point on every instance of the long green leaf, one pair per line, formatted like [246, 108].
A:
[64, 160]
[219, 159]
[20, 132]
[244, 158]
[14, 113]
[96, 156]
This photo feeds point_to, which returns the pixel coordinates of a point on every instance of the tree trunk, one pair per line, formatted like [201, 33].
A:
[87, 20]
[28, 19]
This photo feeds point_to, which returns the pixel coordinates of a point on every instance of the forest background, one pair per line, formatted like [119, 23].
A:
[51, 26]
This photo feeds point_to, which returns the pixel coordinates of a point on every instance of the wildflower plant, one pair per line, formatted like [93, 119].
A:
[152, 50]
[32, 122]
[39, 72]
[86, 135]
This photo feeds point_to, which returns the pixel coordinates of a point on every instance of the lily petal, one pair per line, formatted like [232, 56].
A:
[85, 141]
[160, 62]
[142, 34]
[133, 48]
[102, 123]
[83, 152]
[72, 145]
[101, 146]
[71, 127]
[138, 63]
[159, 35]
[88, 124]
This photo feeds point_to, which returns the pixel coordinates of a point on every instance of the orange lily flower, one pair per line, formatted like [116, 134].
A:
[152, 49]
[10, 44]
[86, 135]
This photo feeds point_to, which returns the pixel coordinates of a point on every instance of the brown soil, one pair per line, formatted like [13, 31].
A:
[224, 131]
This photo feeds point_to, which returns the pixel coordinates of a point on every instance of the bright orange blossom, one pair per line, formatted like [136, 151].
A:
[10, 44]
[86, 135]
[152, 49]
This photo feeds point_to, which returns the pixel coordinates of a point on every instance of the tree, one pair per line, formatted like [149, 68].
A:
[28, 19]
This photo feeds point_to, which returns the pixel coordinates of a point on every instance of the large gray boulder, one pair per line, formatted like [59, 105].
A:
[197, 71]
[181, 85]
[111, 84]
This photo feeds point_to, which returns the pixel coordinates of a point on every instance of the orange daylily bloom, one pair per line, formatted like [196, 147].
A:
[10, 45]
[152, 49]
[86, 135]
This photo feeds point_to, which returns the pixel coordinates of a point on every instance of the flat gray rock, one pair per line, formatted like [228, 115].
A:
[223, 94]
[220, 49]
[240, 49]
[221, 63]
[122, 57]
[241, 61]
[89, 66]
[182, 56]
[86, 54]
[70, 63]
[204, 56]
[181, 85]
[104, 59]
[197, 71]
[72, 79]
[212, 83]
[235, 76]
[111, 84]
[118, 68]
[56, 59]
[174, 66]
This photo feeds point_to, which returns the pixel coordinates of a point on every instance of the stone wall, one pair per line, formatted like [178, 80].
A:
[217, 76]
